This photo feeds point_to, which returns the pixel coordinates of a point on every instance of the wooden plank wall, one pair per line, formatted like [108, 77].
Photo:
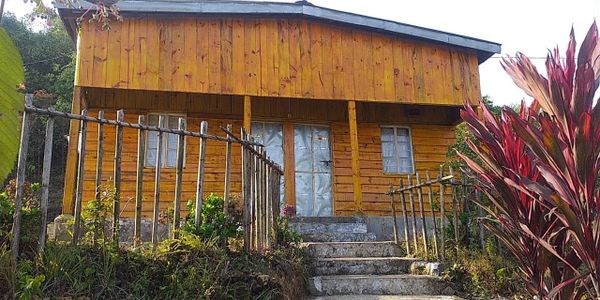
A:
[276, 57]
[432, 129]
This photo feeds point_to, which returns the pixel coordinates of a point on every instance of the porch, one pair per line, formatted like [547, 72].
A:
[350, 133]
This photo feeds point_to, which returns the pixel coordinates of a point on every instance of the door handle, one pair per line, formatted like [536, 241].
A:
[327, 162]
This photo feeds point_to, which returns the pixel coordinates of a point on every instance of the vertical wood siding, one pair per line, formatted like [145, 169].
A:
[275, 57]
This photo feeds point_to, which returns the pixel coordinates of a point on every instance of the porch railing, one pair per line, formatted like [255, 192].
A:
[260, 177]
[444, 191]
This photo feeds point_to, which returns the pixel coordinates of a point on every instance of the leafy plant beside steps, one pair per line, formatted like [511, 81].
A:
[540, 167]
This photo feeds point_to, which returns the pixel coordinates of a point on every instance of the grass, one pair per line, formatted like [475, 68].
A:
[188, 268]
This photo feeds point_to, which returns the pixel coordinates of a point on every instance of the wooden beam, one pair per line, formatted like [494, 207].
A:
[247, 113]
[355, 160]
[289, 164]
[71, 165]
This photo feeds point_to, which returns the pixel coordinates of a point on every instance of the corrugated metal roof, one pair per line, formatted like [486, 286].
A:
[484, 49]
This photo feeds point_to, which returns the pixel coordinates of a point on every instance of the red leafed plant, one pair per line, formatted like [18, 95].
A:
[540, 169]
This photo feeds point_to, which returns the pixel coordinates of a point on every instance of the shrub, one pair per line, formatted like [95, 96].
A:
[215, 225]
[187, 268]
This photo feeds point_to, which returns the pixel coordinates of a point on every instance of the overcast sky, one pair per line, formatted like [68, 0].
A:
[528, 26]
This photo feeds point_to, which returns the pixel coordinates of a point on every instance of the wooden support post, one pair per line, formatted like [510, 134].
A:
[422, 214]
[46, 182]
[200, 182]
[394, 219]
[405, 218]
[433, 218]
[99, 158]
[71, 164]
[158, 166]
[454, 209]
[246, 190]
[117, 178]
[227, 173]
[79, 193]
[178, 178]
[22, 160]
[442, 215]
[139, 183]
[289, 164]
[247, 114]
[411, 197]
[355, 155]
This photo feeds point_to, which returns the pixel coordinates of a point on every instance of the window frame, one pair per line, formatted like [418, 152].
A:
[165, 141]
[410, 145]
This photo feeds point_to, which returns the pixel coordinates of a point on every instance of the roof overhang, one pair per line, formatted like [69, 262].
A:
[484, 49]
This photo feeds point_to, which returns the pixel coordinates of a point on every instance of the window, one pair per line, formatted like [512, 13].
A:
[169, 147]
[396, 150]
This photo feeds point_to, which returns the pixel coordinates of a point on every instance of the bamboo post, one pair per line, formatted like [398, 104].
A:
[405, 218]
[227, 173]
[178, 178]
[200, 182]
[255, 196]
[442, 214]
[411, 197]
[139, 183]
[79, 190]
[268, 208]
[276, 208]
[99, 159]
[117, 178]
[46, 182]
[158, 166]
[454, 208]
[480, 214]
[23, 147]
[422, 214]
[259, 198]
[263, 183]
[466, 206]
[395, 222]
[433, 218]
[246, 190]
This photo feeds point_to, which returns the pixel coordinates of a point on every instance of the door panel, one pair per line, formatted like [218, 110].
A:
[312, 155]
[271, 136]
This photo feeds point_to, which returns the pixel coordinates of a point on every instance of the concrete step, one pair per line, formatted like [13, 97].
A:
[339, 237]
[385, 297]
[402, 285]
[328, 220]
[362, 265]
[304, 228]
[352, 249]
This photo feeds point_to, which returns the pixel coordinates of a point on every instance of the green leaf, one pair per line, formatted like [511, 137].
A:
[11, 103]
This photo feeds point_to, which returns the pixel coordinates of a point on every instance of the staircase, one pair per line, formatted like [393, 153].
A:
[346, 261]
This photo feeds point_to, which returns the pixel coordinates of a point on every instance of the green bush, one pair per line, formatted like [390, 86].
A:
[215, 225]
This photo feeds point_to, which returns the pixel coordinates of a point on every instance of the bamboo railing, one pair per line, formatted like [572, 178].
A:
[415, 223]
[260, 177]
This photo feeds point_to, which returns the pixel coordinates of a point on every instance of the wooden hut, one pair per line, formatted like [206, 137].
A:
[345, 103]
